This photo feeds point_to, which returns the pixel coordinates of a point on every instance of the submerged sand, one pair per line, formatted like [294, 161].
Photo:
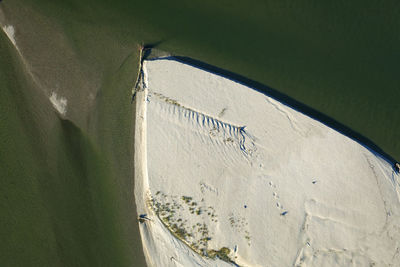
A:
[226, 175]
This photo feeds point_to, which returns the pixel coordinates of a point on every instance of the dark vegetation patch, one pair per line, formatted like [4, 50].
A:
[172, 209]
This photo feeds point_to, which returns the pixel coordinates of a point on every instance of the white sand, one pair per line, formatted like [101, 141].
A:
[59, 103]
[10, 32]
[285, 190]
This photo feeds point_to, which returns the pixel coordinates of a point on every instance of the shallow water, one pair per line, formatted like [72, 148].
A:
[340, 59]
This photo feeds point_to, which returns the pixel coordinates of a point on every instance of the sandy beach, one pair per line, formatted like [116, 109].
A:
[226, 176]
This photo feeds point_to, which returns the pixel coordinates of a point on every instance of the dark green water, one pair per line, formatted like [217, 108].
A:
[337, 61]
[341, 58]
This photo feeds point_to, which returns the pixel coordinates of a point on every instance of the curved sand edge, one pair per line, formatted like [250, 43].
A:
[163, 249]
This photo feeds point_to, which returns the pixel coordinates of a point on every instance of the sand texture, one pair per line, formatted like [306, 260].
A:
[226, 175]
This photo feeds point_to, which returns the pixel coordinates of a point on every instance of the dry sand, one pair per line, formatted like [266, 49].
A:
[223, 166]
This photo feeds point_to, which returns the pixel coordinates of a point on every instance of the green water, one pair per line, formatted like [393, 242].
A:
[66, 187]
[340, 58]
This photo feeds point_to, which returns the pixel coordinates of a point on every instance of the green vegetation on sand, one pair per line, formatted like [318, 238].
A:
[66, 183]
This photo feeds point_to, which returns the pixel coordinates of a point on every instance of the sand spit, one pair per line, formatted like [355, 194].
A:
[10, 32]
[59, 103]
[227, 176]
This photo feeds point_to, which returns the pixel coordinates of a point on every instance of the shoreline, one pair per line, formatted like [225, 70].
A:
[170, 165]
[149, 229]
[286, 100]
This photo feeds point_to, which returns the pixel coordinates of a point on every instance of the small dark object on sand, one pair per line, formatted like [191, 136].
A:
[143, 218]
[284, 213]
[397, 167]
[314, 182]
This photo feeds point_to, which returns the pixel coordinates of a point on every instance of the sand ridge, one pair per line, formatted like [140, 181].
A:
[305, 196]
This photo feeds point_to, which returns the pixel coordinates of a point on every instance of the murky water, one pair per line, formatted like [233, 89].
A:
[338, 61]
[341, 59]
